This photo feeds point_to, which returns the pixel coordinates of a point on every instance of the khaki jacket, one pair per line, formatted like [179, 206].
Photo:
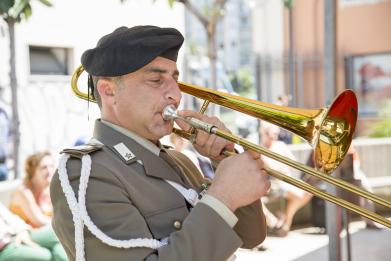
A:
[132, 200]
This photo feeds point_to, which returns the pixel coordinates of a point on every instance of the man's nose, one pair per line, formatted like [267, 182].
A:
[174, 92]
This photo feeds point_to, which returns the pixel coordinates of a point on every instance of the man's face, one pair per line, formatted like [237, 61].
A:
[141, 96]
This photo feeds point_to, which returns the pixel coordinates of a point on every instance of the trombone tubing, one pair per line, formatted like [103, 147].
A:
[326, 196]
[337, 182]
[195, 123]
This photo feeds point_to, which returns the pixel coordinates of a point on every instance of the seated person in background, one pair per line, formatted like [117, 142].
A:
[31, 200]
[18, 241]
[295, 197]
[284, 135]
[358, 175]
[365, 184]
[3, 167]
[5, 135]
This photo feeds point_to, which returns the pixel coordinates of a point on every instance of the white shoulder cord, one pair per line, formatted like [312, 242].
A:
[81, 217]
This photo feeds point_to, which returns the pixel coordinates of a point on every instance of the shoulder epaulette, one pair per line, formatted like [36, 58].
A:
[80, 151]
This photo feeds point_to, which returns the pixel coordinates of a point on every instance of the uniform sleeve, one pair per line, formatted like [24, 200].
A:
[251, 227]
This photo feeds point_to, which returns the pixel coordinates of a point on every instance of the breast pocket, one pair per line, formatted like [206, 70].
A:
[163, 223]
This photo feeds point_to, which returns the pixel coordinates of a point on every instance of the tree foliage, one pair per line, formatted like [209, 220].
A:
[242, 81]
[170, 2]
[383, 127]
[17, 10]
[288, 4]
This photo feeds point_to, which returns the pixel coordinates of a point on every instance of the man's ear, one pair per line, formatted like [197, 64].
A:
[106, 88]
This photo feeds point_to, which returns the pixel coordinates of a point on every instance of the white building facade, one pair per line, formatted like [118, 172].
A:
[268, 45]
[48, 49]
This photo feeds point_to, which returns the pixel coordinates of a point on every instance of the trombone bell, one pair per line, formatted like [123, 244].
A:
[336, 132]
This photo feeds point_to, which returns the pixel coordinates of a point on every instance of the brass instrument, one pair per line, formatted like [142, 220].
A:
[329, 130]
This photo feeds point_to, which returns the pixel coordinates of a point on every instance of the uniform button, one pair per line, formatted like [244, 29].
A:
[177, 224]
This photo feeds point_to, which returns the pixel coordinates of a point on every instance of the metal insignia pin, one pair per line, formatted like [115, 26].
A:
[125, 152]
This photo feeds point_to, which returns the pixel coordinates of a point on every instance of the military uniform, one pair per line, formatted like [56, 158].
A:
[131, 199]
[133, 196]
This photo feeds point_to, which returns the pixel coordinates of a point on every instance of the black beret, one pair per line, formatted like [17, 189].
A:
[128, 49]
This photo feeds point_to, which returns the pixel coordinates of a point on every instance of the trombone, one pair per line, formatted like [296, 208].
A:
[328, 130]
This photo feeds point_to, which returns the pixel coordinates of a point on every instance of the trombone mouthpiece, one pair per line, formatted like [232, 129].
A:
[169, 113]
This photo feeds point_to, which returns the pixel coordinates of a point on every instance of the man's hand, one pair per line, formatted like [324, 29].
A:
[240, 180]
[208, 145]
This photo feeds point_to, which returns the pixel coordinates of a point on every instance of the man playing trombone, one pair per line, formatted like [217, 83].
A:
[124, 196]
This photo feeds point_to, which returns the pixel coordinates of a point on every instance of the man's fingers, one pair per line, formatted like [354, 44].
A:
[254, 155]
[205, 143]
[187, 113]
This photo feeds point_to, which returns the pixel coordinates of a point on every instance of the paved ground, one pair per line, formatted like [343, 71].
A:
[309, 245]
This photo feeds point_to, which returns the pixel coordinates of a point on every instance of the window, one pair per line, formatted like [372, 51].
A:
[49, 60]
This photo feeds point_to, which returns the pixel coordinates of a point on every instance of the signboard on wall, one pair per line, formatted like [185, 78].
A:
[369, 76]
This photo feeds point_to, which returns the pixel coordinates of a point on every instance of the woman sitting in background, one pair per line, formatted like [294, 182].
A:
[31, 200]
[18, 241]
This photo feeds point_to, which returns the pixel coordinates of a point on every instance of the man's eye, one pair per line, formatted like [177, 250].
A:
[156, 80]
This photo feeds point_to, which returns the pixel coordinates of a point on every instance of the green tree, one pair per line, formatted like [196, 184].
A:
[383, 127]
[242, 81]
[13, 12]
[288, 3]
[208, 17]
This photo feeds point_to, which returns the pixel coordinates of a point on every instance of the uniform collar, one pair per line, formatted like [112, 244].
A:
[155, 149]
[153, 164]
